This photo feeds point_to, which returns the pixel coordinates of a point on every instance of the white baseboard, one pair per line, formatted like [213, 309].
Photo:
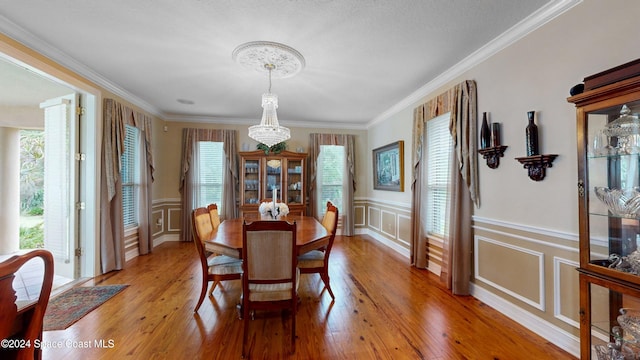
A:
[555, 335]
[164, 238]
[385, 241]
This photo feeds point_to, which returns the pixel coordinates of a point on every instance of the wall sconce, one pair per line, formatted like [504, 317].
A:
[535, 163]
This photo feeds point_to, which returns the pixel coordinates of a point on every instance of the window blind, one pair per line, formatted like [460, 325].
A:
[211, 168]
[331, 168]
[130, 178]
[438, 154]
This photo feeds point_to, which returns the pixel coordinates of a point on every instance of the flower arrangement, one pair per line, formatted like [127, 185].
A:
[267, 208]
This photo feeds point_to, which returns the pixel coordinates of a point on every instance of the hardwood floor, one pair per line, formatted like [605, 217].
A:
[384, 309]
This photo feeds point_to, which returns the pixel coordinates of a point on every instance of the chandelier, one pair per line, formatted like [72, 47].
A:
[279, 61]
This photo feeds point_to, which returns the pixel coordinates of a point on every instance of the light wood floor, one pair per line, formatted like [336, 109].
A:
[384, 309]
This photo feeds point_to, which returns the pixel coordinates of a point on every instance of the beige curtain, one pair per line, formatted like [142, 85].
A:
[348, 141]
[461, 102]
[189, 171]
[115, 117]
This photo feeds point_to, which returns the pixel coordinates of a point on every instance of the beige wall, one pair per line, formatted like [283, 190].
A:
[168, 151]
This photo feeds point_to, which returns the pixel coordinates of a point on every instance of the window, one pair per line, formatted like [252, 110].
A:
[129, 173]
[330, 180]
[210, 178]
[438, 159]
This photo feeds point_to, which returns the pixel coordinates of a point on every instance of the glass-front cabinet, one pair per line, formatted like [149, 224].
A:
[265, 175]
[608, 188]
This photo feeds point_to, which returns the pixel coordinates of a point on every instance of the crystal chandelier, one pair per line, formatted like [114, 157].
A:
[280, 61]
[269, 132]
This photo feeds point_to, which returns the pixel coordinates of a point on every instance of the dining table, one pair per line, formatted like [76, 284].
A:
[227, 238]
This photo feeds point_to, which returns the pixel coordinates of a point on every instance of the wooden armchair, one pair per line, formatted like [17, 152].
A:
[23, 321]
[317, 261]
[270, 278]
[215, 268]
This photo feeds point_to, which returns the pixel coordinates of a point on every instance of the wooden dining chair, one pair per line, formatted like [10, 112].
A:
[23, 320]
[317, 261]
[270, 278]
[215, 268]
[214, 215]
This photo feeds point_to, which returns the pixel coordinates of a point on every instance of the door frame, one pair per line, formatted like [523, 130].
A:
[90, 145]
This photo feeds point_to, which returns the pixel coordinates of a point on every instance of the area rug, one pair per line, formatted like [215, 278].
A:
[70, 306]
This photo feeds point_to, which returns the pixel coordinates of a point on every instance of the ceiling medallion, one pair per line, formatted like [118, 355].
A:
[254, 55]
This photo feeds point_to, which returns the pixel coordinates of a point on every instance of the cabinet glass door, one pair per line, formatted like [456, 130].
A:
[273, 179]
[251, 181]
[294, 182]
[613, 154]
[615, 326]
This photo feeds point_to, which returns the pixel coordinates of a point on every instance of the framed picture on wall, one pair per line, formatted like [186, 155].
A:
[388, 167]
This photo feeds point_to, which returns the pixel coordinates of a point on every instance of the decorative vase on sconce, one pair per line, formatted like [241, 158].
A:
[485, 133]
[531, 133]
[495, 134]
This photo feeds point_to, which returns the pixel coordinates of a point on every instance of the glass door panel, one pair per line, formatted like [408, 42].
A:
[294, 182]
[251, 181]
[613, 163]
[273, 179]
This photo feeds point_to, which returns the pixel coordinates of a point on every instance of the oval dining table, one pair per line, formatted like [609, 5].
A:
[227, 238]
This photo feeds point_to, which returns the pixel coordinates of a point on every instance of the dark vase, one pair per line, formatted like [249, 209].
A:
[532, 136]
[485, 133]
[495, 134]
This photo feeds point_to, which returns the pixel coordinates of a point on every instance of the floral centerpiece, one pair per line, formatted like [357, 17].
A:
[267, 209]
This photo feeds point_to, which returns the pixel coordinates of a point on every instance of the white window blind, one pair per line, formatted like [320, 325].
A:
[211, 170]
[438, 152]
[129, 165]
[330, 176]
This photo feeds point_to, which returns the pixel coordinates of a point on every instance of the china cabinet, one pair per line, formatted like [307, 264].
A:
[262, 175]
[608, 132]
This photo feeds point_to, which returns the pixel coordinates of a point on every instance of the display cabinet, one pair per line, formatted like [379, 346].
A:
[262, 173]
[608, 132]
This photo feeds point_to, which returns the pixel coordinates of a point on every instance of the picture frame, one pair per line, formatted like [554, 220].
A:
[388, 167]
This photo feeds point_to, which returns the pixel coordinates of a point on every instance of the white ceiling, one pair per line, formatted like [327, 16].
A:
[363, 57]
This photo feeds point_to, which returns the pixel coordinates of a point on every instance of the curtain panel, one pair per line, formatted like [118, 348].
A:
[189, 173]
[461, 102]
[348, 141]
[115, 117]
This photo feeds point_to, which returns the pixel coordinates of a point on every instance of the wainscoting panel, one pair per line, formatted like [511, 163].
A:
[529, 274]
[404, 229]
[361, 219]
[388, 222]
[374, 218]
[566, 297]
[166, 217]
[497, 262]
[157, 216]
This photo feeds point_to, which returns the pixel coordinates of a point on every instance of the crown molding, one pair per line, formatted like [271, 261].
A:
[243, 121]
[542, 16]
